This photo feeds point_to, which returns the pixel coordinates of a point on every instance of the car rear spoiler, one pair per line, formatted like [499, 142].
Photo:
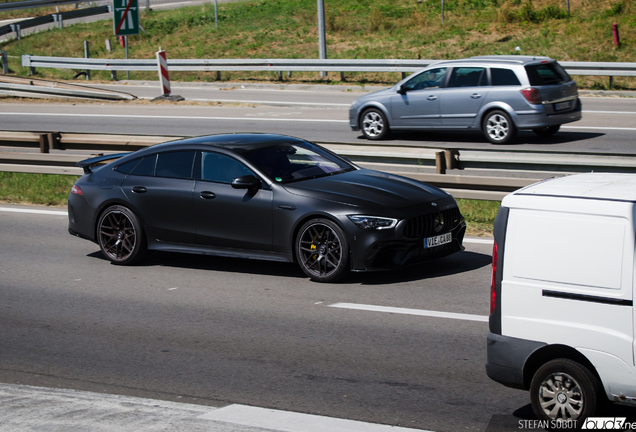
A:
[87, 164]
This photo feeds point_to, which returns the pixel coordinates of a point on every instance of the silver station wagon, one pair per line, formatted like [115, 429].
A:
[496, 94]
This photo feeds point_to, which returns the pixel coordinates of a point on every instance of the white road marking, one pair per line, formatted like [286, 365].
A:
[126, 116]
[47, 212]
[487, 241]
[288, 421]
[609, 112]
[598, 128]
[406, 311]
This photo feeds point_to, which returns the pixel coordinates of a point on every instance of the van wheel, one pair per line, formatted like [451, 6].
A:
[498, 127]
[564, 390]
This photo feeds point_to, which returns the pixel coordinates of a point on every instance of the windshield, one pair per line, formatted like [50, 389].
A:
[290, 162]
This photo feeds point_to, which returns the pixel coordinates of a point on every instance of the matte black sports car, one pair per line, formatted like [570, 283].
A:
[268, 197]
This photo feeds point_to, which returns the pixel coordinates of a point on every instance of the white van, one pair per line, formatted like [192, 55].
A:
[561, 313]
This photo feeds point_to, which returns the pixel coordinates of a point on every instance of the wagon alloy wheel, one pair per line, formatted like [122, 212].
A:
[322, 250]
[498, 128]
[374, 124]
[120, 236]
[564, 391]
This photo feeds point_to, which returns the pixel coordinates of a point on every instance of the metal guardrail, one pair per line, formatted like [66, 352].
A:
[29, 4]
[291, 65]
[31, 87]
[46, 19]
[58, 153]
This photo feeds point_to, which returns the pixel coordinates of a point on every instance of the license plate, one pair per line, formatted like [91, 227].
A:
[437, 240]
[562, 106]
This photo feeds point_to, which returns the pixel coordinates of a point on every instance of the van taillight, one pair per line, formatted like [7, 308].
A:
[532, 95]
[493, 294]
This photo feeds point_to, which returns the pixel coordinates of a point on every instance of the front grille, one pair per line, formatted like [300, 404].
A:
[423, 226]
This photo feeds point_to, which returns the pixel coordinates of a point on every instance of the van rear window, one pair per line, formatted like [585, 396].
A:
[547, 74]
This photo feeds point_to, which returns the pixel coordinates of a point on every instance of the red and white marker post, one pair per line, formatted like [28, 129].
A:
[164, 79]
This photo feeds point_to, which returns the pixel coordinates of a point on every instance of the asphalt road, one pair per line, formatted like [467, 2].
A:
[313, 113]
[216, 331]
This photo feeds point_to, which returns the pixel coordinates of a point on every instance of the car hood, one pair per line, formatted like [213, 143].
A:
[368, 188]
[375, 95]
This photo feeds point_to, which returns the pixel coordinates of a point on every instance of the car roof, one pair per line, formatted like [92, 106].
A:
[238, 142]
[499, 59]
[605, 186]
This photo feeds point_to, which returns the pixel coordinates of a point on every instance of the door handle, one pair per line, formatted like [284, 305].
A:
[432, 97]
[207, 195]
[475, 96]
[139, 189]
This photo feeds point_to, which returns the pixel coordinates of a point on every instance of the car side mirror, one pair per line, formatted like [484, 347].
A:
[402, 89]
[246, 182]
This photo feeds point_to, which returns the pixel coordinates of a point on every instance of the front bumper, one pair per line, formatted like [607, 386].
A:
[378, 253]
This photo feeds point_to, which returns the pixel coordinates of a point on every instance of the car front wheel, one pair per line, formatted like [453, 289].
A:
[322, 250]
[498, 127]
[565, 392]
[374, 124]
[120, 236]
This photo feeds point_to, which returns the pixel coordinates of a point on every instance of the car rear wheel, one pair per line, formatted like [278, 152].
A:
[322, 250]
[374, 124]
[563, 390]
[547, 131]
[498, 127]
[120, 236]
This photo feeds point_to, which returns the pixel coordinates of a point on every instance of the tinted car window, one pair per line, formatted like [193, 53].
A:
[432, 78]
[146, 167]
[503, 77]
[297, 161]
[547, 74]
[175, 164]
[127, 167]
[220, 168]
[466, 77]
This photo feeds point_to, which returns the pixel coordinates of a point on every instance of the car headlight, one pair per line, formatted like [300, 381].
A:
[373, 222]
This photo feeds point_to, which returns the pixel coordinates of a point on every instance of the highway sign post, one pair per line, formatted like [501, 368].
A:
[125, 17]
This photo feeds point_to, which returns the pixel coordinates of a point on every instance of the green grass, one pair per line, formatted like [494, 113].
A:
[41, 189]
[356, 29]
[53, 190]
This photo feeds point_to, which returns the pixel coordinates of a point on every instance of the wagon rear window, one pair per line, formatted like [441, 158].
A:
[547, 74]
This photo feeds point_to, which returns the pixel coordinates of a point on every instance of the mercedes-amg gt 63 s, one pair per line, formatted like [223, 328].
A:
[269, 197]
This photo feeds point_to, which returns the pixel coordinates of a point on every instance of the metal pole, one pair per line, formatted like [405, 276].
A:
[87, 55]
[216, 15]
[568, 2]
[322, 42]
[442, 11]
[126, 44]
[5, 63]
[147, 5]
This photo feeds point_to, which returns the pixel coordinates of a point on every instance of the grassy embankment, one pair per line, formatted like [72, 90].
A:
[52, 190]
[359, 29]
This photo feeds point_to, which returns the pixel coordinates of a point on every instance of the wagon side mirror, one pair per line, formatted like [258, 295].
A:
[402, 90]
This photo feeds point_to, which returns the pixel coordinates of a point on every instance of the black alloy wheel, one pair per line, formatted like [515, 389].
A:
[565, 392]
[498, 127]
[322, 250]
[547, 131]
[374, 125]
[120, 236]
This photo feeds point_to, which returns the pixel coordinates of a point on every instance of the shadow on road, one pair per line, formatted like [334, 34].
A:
[459, 263]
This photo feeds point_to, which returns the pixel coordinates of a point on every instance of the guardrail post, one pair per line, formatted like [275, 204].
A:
[280, 75]
[44, 143]
[54, 140]
[342, 77]
[87, 55]
[113, 75]
[450, 159]
[16, 29]
[611, 81]
[5, 63]
[440, 163]
[218, 75]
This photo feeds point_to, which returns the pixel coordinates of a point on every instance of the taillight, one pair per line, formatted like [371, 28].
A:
[75, 190]
[532, 95]
[493, 294]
